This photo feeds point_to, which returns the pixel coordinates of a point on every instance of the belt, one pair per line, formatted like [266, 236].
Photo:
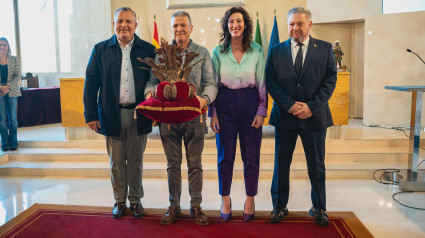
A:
[129, 106]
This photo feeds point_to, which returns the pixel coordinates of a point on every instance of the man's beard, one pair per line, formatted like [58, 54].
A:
[299, 40]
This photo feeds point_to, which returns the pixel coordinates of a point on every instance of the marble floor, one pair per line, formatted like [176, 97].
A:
[354, 130]
[370, 201]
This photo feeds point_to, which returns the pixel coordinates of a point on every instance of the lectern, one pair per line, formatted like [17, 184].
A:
[413, 182]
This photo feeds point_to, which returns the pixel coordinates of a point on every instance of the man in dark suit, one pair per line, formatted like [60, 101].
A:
[114, 86]
[301, 77]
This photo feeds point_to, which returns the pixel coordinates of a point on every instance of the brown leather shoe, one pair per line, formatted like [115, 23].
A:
[170, 215]
[200, 217]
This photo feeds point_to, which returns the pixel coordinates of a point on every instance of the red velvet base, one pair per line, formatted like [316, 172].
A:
[172, 104]
[170, 112]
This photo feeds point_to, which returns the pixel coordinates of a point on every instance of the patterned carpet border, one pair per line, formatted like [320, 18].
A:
[346, 223]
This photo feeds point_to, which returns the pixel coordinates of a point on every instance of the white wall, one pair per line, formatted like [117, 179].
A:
[357, 71]
[148, 8]
[343, 10]
[388, 63]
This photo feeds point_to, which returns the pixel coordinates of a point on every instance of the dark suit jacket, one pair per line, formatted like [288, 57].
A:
[315, 86]
[102, 84]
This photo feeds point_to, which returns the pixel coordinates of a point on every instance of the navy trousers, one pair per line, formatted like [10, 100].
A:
[314, 149]
[236, 109]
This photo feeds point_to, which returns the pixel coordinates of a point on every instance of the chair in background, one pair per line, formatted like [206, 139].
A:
[32, 82]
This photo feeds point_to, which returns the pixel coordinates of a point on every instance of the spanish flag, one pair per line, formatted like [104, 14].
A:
[155, 40]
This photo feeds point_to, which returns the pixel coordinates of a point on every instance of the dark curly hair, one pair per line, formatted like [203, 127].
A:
[225, 37]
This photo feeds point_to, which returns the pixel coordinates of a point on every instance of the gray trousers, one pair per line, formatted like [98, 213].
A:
[192, 133]
[126, 159]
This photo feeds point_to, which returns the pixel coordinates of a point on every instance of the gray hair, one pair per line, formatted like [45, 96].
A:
[124, 9]
[8, 46]
[182, 14]
[296, 10]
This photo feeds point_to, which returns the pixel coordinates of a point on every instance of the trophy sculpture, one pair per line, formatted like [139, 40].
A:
[173, 99]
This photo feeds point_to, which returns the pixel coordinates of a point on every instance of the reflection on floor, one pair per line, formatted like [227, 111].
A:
[372, 202]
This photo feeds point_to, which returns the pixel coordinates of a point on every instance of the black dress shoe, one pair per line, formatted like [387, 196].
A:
[137, 209]
[13, 149]
[320, 216]
[278, 214]
[119, 209]
[5, 149]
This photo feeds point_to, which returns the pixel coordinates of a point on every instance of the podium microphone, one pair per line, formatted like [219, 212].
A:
[408, 50]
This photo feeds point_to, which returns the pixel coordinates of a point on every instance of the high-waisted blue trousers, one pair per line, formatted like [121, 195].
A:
[236, 109]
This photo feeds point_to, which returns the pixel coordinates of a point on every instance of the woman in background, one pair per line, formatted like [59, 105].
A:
[10, 75]
[240, 107]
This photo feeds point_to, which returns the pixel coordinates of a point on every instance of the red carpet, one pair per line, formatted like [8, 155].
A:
[42, 220]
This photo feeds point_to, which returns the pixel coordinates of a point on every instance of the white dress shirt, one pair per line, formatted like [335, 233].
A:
[295, 48]
[127, 90]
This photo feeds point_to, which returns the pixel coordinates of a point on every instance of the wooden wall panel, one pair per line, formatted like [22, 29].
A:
[339, 101]
[72, 102]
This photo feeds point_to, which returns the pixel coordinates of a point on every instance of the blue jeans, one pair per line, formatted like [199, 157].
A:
[9, 122]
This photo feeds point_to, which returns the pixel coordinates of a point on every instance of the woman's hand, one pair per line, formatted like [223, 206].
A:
[4, 90]
[258, 121]
[215, 126]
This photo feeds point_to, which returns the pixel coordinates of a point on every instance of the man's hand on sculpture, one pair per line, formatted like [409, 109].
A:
[149, 95]
[202, 102]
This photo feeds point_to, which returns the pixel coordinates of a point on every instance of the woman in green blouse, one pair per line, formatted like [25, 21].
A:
[240, 107]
